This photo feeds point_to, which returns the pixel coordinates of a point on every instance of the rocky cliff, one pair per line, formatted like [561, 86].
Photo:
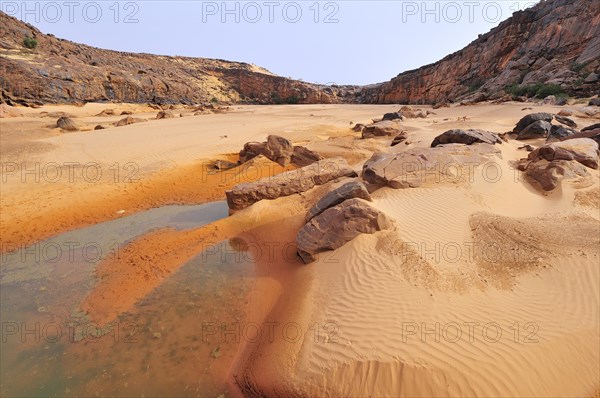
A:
[59, 71]
[555, 42]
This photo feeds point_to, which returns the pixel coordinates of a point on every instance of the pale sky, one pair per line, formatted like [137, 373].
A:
[341, 42]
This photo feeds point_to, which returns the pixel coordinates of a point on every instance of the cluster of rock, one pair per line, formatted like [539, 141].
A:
[549, 164]
[280, 150]
[539, 125]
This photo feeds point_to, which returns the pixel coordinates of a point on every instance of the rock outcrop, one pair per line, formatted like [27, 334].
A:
[61, 71]
[337, 226]
[288, 183]
[554, 42]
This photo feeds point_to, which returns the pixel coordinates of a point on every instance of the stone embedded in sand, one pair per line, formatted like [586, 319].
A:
[124, 113]
[129, 120]
[350, 190]
[411, 113]
[337, 226]
[558, 133]
[538, 129]
[67, 124]
[582, 150]
[303, 156]
[381, 129]
[99, 127]
[165, 115]
[530, 119]
[468, 137]
[288, 183]
[566, 121]
[412, 168]
[107, 112]
[393, 116]
[276, 148]
[594, 102]
[224, 165]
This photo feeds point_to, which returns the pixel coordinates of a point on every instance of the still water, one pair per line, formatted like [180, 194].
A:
[177, 341]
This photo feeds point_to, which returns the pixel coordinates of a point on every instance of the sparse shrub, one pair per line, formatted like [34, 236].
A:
[30, 43]
[214, 100]
[535, 90]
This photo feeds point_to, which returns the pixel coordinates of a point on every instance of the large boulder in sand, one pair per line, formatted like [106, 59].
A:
[468, 137]
[337, 226]
[67, 124]
[303, 156]
[538, 129]
[591, 127]
[558, 133]
[530, 119]
[386, 128]
[276, 148]
[549, 164]
[548, 175]
[129, 120]
[350, 190]
[582, 150]
[288, 183]
[416, 166]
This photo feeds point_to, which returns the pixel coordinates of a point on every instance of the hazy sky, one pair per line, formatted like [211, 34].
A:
[343, 42]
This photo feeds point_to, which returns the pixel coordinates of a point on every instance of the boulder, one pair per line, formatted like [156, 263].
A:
[381, 129]
[276, 148]
[536, 129]
[548, 175]
[591, 127]
[393, 116]
[129, 120]
[352, 189]
[99, 127]
[303, 156]
[125, 113]
[594, 102]
[564, 112]
[566, 121]
[251, 150]
[165, 115]
[399, 138]
[288, 183]
[467, 137]
[582, 150]
[411, 113]
[558, 133]
[416, 166]
[337, 226]
[67, 124]
[531, 118]
[591, 134]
